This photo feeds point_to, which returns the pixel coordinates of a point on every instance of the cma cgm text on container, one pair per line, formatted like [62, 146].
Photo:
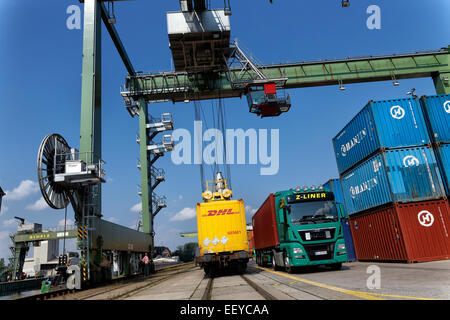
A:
[437, 114]
[399, 175]
[396, 123]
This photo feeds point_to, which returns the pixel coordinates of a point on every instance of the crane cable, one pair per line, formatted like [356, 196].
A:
[219, 122]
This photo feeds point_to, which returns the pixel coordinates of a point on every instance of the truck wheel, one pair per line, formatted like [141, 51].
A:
[289, 268]
[275, 267]
[336, 266]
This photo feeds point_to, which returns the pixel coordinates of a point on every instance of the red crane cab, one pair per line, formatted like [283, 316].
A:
[264, 101]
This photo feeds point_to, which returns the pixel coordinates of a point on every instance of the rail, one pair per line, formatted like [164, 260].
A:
[120, 283]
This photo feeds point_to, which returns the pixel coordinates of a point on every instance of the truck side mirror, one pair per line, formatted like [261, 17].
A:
[286, 210]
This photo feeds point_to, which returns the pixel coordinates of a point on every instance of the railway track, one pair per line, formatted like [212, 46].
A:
[291, 285]
[204, 290]
[208, 293]
[120, 287]
[188, 282]
[126, 289]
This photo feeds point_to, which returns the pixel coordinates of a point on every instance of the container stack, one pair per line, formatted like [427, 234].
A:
[392, 184]
[437, 115]
[335, 186]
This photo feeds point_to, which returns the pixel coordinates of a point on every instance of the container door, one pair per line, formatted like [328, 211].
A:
[377, 236]
[413, 174]
[425, 227]
[400, 123]
[437, 110]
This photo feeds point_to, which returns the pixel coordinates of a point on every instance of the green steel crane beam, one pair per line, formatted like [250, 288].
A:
[44, 236]
[189, 234]
[146, 188]
[182, 86]
[101, 234]
[90, 129]
[117, 42]
[90, 123]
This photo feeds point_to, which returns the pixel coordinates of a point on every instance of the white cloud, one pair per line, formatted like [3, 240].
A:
[170, 237]
[68, 223]
[25, 188]
[4, 209]
[9, 222]
[249, 210]
[39, 205]
[113, 220]
[180, 197]
[134, 225]
[185, 214]
[4, 235]
[5, 243]
[137, 207]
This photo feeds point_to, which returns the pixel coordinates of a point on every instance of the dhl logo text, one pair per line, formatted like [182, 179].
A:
[220, 212]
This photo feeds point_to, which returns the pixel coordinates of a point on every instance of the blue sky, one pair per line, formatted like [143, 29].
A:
[40, 86]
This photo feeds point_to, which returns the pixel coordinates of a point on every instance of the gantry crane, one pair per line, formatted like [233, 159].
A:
[206, 68]
[68, 175]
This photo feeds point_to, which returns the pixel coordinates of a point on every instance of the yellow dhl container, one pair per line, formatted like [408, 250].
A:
[221, 226]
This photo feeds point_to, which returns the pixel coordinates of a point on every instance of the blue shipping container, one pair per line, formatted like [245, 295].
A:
[437, 110]
[348, 240]
[443, 155]
[335, 186]
[396, 123]
[400, 175]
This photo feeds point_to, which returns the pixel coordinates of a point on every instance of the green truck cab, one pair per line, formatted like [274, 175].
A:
[299, 227]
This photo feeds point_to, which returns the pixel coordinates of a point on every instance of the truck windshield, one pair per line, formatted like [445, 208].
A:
[313, 212]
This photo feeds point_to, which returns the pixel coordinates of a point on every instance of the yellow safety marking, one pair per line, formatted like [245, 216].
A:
[363, 295]
[292, 282]
[276, 284]
[360, 294]
[397, 296]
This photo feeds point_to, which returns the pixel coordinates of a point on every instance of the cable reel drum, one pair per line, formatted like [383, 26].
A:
[64, 173]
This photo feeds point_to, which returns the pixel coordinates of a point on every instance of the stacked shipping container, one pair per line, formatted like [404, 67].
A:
[411, 232]
[437, 114]
[388, 171]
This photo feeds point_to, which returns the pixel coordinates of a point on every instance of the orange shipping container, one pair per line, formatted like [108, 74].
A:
[412, 232]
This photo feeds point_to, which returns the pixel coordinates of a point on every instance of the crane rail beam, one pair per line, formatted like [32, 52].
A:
[183, 86]
[116, 39]
[44, 236]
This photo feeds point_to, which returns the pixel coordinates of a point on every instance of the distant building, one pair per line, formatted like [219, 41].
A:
[1, 196]
[45, 259]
